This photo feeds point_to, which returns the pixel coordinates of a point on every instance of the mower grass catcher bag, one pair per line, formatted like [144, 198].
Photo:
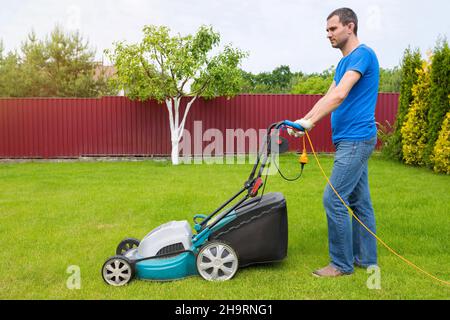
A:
[259, 231]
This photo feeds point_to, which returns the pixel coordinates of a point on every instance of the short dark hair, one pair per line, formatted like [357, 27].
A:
[346, 15]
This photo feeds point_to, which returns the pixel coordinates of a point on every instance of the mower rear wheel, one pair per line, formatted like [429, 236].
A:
[217, 261]
[126, 245]
[118, 271]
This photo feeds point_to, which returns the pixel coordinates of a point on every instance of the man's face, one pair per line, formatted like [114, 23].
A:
[337, 33]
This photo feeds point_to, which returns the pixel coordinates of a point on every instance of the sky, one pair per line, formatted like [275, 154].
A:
[273, 32]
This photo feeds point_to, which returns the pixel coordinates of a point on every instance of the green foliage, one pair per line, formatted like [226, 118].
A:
[282, 77]
[384, 133]
[415, 125]
[277, 81]
[221, 76]
[390, 80]
[439, 92]
[423, 111]
[164, 66]
[411, 61]
[62, 65]
[312, 85]
[441, 150]
[11, 77]
[315, 83]
[282, 80]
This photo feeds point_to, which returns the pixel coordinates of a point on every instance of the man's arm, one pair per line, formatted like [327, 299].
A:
[334, 97]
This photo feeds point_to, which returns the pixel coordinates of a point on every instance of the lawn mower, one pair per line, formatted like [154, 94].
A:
[243, 231]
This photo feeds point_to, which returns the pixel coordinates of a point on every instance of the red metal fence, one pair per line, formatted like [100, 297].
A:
[117, 126]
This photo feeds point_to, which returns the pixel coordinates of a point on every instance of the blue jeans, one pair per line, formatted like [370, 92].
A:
[349, 243]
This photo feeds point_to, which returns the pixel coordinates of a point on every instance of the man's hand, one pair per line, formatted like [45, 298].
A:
[305, 123]
[296, 134]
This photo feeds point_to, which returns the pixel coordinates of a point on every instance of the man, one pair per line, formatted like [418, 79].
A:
[351, 100]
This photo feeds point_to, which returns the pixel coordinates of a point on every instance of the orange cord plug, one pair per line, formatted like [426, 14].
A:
[303, 159]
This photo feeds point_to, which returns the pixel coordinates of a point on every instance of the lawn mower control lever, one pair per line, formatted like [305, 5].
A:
[256, 186]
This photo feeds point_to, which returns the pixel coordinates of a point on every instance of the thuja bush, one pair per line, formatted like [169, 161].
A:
[411, 61]
[441, 150]
[439, 92]
[415, 124]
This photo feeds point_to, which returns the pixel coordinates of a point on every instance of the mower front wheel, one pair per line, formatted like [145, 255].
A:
[217, 261]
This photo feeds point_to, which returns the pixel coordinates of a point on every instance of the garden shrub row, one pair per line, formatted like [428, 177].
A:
[421, 132]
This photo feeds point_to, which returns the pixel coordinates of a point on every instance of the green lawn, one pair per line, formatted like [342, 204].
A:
[54, 215]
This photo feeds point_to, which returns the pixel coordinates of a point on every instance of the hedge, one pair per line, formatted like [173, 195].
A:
[441, 151]
[416, 121]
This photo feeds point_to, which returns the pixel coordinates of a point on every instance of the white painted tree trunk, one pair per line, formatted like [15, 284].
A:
[176, 128]
[175, 153]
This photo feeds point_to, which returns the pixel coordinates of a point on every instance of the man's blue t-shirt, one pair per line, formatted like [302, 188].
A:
[354, 119]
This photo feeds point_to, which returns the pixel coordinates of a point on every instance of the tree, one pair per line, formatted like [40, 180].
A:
[11, 77]
[281, 77]
[312, 85]
[34, 67]
[439, 92]
[415, 125]
[411, 61]
[390, 80]
[277, 81]
[441, 152]
[62, 65]
[168, 68]
[315, 83]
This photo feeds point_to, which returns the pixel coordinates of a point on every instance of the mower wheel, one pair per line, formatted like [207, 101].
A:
[118, 271]
[126, 245]
[217, 261]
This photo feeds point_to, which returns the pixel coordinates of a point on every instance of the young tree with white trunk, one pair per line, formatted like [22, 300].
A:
[167, 68]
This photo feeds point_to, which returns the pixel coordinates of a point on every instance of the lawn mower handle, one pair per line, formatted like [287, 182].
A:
[294, 125]
[253, 183]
